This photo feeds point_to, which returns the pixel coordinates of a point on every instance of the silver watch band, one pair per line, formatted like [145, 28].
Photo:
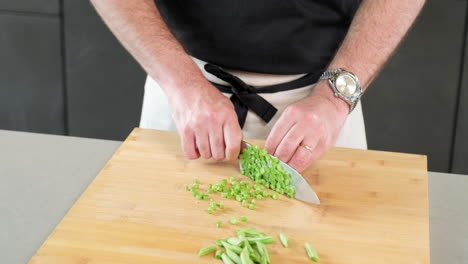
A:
[328, 74]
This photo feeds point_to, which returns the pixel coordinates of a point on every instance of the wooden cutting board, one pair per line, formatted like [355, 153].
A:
[374, 210]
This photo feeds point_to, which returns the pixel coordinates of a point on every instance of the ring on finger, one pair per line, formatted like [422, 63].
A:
[307, 147]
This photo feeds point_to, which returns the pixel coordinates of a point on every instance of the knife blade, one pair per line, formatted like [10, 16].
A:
[304, 191]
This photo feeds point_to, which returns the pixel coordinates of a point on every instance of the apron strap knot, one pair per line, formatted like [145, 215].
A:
[244, 96]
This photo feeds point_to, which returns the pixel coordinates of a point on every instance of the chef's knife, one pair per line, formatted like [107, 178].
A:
[304, 191]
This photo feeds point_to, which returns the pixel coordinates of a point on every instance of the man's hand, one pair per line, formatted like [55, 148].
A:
[315, 121]
[205, 118]
[207, 123]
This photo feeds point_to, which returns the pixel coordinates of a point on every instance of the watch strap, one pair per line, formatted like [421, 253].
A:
[330, 74]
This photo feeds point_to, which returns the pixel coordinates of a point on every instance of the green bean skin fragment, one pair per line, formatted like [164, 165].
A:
[236, 249]
[243, 218]
[226, 259]
[284, 240]
[207, 250]
[245, 257]
[252, 232]
[219, 224]
[311, 252]
[234, 241]
[219, 242]
[264, 240]
[255, 256]
[263, 252]
[233, 256]
[219, 252]
[233, 221]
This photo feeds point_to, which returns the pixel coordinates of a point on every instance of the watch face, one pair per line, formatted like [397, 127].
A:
[346, 84]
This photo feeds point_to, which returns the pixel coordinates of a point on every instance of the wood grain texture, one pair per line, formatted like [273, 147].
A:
[374, 210]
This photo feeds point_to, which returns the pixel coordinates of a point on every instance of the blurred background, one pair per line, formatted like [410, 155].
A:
[63, 72]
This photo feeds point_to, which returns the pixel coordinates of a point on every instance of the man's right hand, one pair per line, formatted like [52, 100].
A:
[207, 122]
[204, 117]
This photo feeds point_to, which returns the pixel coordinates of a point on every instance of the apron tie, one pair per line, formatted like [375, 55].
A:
[244, 96]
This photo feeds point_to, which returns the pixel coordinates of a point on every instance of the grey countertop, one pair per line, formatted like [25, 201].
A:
[41, 177]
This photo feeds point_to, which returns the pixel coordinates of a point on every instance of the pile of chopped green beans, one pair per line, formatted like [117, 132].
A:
[244, 192]
[249, 247]
[195, 189]
[264, 169]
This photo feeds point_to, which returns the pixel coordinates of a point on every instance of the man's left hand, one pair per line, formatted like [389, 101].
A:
[315, 121]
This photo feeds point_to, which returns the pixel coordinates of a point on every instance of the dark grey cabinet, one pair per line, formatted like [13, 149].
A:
[31, 84]
[31, 6]
[460, 151]
[412, 104]
[104, 83]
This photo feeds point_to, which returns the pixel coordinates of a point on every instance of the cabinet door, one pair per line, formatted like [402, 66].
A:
[460, 152]
[31, 6]
[104, 83]
[31, 91]
[411, 106]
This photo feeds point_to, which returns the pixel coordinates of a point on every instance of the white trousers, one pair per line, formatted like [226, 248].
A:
[156, 111]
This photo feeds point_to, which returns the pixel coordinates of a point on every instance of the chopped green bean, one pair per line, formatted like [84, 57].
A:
[243, 218]
[219, 252]
[233, 221]
[255, 256]
[233, 256]
[264, 240]
[219, 242]
[231, 247]
[263, 252]
[252, 206]
[245, 257]
[312, 252]
[226, 259]
[213, 204]
[206, 250]
[284, 240]
[234, 241]
[219, 224]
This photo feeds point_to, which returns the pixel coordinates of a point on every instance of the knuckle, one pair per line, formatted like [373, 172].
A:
[211, 116]
[231, 148]
[195, 123]
[186, 130]
[311, 117]
[292, 110]
[191, 156]
[282, 154]
[218, 156]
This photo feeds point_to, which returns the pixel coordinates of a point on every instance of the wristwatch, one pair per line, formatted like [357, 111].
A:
[345, 85]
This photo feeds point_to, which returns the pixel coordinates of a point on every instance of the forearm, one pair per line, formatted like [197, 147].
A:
[375, 32]
[141, 30]
[377, 29]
